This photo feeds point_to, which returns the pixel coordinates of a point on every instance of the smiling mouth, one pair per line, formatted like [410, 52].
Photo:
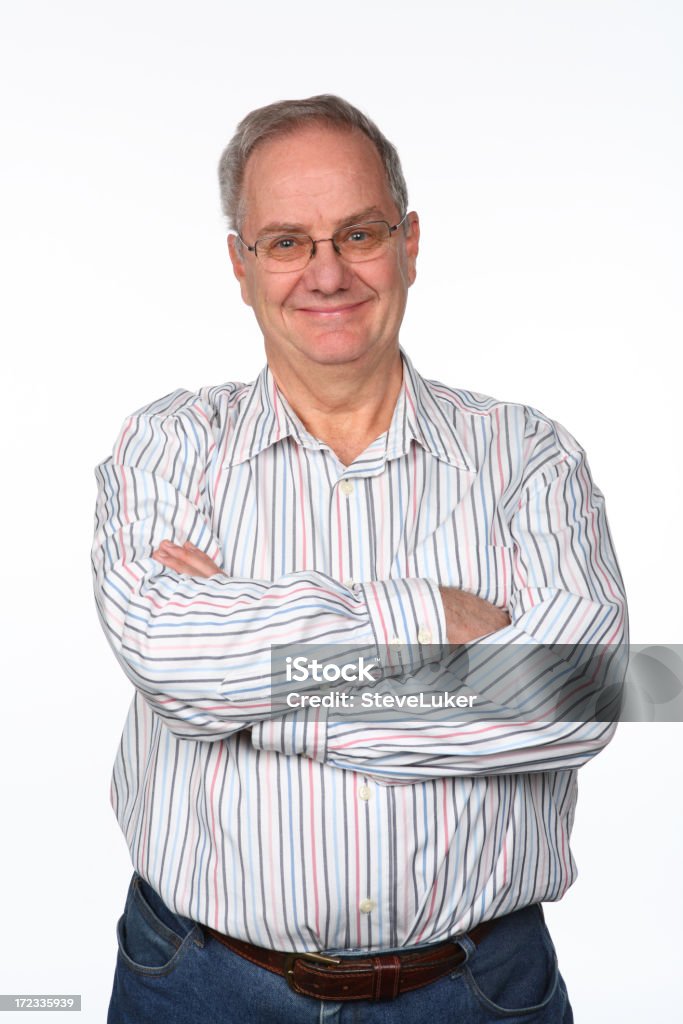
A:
[331, 310]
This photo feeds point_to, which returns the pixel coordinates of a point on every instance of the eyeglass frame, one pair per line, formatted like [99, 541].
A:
[316, 241]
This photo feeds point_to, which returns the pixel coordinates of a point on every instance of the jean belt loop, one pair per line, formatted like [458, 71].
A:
[466, 944]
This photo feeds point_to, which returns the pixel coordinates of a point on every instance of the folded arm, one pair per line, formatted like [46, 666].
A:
[198, 647]
[567, 600]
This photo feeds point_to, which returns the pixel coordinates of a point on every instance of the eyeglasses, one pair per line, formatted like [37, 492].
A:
[292, 250]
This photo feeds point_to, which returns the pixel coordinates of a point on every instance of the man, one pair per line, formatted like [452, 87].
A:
[298, 865]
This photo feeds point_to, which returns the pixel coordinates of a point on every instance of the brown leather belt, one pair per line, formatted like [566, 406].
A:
[338, 978]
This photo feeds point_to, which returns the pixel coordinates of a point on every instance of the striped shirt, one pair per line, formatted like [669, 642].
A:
[309, 832]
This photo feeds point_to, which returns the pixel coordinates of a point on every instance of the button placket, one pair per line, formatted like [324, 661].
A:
[341, 540]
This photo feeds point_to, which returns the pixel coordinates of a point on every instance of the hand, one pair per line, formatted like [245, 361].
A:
[187, 559]
[469, 617]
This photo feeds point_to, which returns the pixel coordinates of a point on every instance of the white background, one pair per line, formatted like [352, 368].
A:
[542, 147]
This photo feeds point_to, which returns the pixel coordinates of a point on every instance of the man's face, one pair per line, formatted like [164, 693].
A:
[330, 312]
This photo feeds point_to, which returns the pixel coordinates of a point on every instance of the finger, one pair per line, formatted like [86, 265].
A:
[172, 561]
[186, 568]
[186, 559]
[200, 558]
[173, 554]
[185, 551]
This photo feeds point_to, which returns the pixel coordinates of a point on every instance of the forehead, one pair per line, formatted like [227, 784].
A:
[314, 176]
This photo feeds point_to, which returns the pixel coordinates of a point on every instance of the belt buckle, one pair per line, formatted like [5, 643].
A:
[317, 958]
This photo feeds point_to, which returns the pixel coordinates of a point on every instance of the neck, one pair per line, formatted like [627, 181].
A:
[346, 405]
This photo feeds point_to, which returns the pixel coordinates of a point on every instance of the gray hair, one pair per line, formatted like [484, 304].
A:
[285, 117]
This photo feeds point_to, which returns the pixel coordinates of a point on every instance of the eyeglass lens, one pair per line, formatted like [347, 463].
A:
[355, 243]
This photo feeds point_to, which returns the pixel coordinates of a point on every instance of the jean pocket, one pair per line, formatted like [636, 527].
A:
[146, 944]
[516, 979]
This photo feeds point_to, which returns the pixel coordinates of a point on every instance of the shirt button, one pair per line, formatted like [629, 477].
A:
[364, 793]
[425, 635]
[347, 487]
[350, 584]
[395, 640]
[365, 906]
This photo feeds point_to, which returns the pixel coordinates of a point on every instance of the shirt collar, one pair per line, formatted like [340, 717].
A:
[265, 417]
[420, 415]
[427, 417]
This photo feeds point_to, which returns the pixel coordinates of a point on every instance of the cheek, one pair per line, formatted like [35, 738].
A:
[268, 296]
[381, 278]
[391, 284]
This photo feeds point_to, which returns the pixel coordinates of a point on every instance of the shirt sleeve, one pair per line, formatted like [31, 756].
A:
[567, 601]
[197, 649]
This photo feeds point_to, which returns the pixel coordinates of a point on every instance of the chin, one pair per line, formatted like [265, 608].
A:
[336, 348]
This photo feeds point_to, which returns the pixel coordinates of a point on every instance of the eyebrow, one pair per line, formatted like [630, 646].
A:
[354, 218]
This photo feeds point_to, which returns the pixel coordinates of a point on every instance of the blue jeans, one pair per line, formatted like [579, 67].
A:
[169, 971]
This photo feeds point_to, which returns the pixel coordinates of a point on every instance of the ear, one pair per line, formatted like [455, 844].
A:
[412, 244]
[238, 267]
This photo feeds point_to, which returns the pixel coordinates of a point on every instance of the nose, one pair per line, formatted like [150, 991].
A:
[326, 271]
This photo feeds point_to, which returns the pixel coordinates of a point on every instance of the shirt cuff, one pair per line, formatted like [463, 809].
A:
[299, 732]
[408, 620]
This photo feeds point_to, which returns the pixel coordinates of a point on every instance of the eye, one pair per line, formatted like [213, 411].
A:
[363, 236]
[282, 247]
